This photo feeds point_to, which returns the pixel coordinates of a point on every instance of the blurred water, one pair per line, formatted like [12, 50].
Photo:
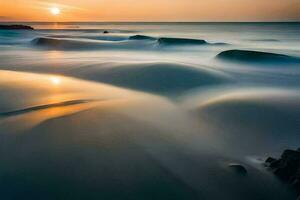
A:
[101, 115]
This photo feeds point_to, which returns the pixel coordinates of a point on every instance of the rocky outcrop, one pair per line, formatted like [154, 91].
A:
[287, 168]
[180, 41]
[257, 57]
[141, 37]
[15, 27]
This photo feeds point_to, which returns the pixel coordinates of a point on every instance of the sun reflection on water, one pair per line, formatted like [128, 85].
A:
[55, 80]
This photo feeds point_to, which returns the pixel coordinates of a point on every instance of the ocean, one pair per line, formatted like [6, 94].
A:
[115, 110]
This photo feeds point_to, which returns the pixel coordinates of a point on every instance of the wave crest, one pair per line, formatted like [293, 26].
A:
[163, 78]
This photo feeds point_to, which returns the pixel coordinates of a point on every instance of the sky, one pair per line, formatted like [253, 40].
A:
[151, 10]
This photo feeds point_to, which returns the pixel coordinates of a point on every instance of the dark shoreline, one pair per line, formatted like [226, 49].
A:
[15, 27]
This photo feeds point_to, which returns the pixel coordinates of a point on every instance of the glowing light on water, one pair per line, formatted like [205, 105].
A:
[55, 80]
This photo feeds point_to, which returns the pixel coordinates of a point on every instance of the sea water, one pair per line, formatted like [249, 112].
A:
[147, 110]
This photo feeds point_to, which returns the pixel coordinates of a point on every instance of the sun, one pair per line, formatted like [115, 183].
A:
[55, 11]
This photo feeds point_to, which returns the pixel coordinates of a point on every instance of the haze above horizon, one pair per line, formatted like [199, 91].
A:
[150, 11]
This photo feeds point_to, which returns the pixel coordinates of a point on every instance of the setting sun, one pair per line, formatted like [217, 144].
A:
[55, 11]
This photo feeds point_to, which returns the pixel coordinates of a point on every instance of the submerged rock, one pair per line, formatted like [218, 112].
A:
[44, 41]
[287, 168]
[15, 27]
[247, 56]
[238, 169]
[141, 37]
[180, 41]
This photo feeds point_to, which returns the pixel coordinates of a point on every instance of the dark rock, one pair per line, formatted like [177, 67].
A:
[141, 37]
[180, 41]
[270, 160]
[15, 27]
[287, 168]
[238, 169]
[105, 32]
[257, 57]
[274, 164]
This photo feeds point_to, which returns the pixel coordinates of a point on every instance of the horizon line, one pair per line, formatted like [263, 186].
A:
[298, 21]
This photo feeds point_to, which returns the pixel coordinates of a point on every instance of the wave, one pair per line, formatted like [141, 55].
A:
[65, 42]
[68, 44]
[264, 40]
[82, 30]
[97, 37]
[160, 41]
[264, 117]
[73, 44]
[170, 41]
[247, 56]
[153, 77]
[15, 37]
[166, 41]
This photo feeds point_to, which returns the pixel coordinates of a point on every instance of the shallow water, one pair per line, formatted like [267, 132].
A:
[88, 115]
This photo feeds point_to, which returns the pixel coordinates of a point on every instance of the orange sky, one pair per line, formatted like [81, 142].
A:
[151, 10]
